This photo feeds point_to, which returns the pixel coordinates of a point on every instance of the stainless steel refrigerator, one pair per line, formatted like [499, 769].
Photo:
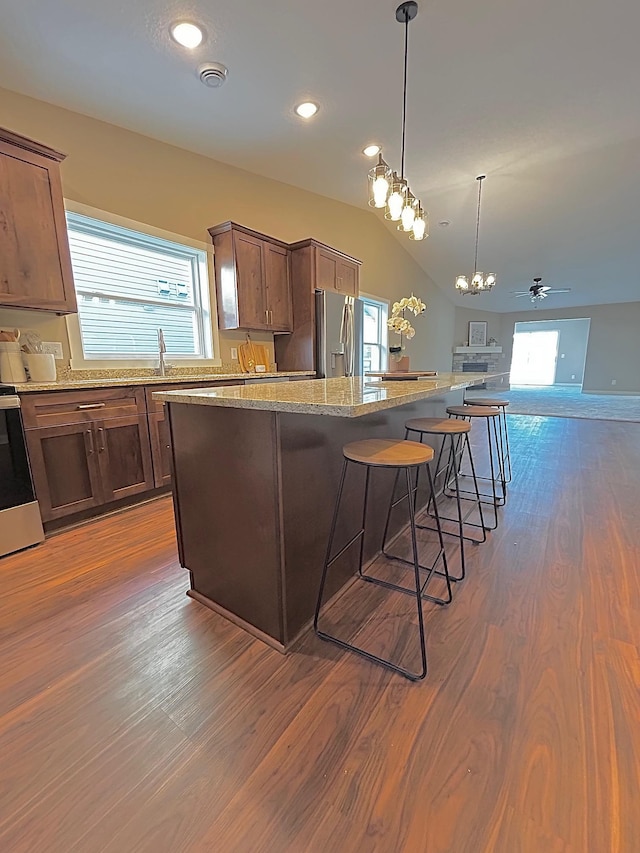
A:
[338, 335]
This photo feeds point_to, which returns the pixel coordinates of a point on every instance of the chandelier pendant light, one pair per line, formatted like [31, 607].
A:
[480, 283]
[388, 190]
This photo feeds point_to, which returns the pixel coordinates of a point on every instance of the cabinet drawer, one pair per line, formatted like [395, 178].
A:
[73, 407]
[156, 406]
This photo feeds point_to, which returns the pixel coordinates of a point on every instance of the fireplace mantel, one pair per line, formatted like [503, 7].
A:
[478, 349]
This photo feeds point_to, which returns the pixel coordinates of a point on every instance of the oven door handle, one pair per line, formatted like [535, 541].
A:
[10, 402]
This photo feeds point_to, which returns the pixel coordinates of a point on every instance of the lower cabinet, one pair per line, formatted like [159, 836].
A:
[160, 447]
[65, 469]
[80, 466]
[90, 448]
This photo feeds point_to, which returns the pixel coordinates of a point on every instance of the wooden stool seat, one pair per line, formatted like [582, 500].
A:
[473, 411]
[388, 452]
[485, 401]
[438, 426]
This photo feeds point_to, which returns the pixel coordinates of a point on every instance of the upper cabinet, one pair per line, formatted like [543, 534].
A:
[253, 280]
[35, 265]
[335, 271]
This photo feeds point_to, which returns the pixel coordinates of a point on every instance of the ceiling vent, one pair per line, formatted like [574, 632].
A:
[213, 74]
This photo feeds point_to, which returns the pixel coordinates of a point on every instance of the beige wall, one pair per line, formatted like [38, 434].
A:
[130, 175]
[613, 351]
[465, 315]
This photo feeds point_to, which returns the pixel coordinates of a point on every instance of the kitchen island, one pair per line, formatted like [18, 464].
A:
[256, 471]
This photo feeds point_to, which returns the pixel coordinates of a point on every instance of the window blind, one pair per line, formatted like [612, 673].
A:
[129, 285]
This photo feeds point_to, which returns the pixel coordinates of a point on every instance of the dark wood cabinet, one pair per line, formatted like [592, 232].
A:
[66, 473]
[87, 448]
[159, 434]
[253, 280]
[334, 271]
[35, 264]
[314, 266]
[277, 266]
[124, 456]
[160, 447]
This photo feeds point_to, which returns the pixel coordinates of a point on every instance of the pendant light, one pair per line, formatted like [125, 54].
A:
[480, 283]
[387, 189]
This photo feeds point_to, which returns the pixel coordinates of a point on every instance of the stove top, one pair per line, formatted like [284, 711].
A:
[7, 389]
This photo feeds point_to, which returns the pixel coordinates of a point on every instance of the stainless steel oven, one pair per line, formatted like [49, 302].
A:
[20, 522]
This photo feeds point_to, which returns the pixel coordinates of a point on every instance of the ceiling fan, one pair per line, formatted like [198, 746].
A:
[539, 291]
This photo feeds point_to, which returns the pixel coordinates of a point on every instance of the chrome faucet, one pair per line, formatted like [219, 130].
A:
[161, 369]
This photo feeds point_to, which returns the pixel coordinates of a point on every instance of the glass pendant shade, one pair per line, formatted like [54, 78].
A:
[395, 202]
[490, 280]
[388, 190]
[379, 184]
[408, 214]
[419, 230]
[462, 283]
[480, 282]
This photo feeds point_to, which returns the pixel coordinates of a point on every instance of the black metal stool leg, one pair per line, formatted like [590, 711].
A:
[417, 592]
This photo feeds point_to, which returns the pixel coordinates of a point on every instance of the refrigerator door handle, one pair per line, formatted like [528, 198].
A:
[349, 338]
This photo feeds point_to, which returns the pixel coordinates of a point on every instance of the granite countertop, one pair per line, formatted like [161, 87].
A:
[79, 384]
[343, 398]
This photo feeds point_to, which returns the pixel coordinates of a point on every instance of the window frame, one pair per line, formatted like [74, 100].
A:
[206, 302]
[383, 332]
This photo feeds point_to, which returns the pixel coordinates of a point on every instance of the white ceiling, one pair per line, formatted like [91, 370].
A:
[541, 96]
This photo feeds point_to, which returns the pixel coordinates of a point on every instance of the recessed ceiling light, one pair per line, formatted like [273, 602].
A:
[371, 150]
[186, 34]
[307, 109]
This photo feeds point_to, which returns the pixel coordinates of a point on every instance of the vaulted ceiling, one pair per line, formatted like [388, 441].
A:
[541, 97]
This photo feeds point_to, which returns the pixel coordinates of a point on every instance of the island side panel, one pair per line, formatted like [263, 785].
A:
[311, 462]
[227, 510]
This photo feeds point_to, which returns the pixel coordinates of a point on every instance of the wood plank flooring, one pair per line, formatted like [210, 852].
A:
[134, 719]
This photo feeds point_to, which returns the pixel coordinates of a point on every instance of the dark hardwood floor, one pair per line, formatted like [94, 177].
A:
[134, 719]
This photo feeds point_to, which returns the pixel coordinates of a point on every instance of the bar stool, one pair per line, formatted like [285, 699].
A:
[504, 432]
[457, 431]
[496, 462]
[401, 455]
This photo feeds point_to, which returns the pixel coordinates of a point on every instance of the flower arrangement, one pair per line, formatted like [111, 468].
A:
[399, 323]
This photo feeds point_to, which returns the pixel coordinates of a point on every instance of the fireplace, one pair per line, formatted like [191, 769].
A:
[476, 367]
[481, 360]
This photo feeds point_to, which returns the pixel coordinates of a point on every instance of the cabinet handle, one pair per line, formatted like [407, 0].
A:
[270, 317]
[101, 448]
[83, 406]
[339, 283]
[266, 314]
[92, 448]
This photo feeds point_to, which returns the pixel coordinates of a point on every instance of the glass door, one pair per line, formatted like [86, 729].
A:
[534, 358]
[15, 477]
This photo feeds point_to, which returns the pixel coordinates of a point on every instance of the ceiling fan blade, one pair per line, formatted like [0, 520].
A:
[543, 287]
[518, 293]
[561, 290]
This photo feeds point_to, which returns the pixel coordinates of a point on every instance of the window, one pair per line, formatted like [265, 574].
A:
[129, 284]
[375, 334]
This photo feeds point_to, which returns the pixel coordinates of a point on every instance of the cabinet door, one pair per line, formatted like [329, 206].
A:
[35, 265]
[326, 270]
[124, 456]
[64, 461]
[347, 277]
[252, 303]
[160, 447]
[277, 278]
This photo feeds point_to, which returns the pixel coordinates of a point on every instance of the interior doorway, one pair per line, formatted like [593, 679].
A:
[535, 355]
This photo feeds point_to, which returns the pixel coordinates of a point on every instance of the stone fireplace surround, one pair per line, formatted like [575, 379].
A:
[491, 356]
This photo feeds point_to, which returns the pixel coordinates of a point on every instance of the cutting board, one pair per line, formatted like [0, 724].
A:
[252, 355]
[410, 374]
